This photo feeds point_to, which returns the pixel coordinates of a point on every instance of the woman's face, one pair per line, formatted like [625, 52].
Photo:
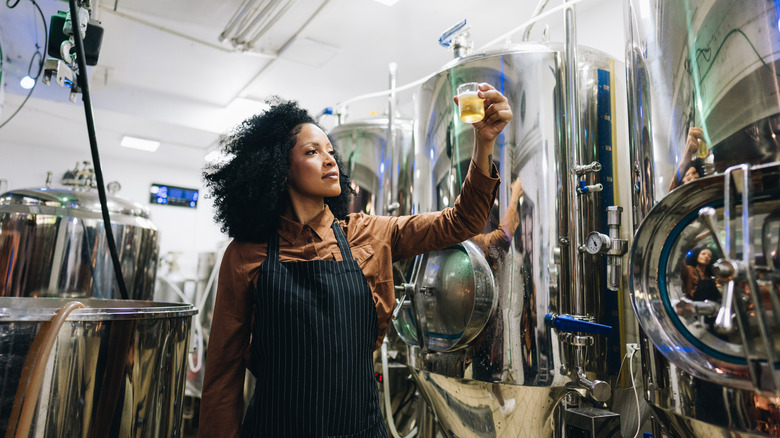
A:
[313, 169]
[690, 175]
[705, 257]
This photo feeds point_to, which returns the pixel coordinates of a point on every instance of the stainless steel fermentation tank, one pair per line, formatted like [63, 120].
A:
[378, 153]
[502, 328]
[116, 368]
[53, 244]
[710, 353]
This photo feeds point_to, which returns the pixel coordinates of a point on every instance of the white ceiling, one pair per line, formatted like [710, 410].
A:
[163, 74]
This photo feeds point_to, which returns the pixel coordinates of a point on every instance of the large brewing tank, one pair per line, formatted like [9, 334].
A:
[116, 368]
[711, 356]
[53, 244]
[488, 363]
[378, 162]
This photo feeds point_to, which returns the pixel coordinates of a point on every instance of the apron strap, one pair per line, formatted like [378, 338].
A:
[273, 248]
[346, 254]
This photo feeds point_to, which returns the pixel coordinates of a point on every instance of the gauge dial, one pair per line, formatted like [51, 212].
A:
[597, 243]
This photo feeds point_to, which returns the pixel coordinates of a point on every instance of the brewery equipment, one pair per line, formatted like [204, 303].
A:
[710, 322]
[53, 242]
[116, 367]
[378, 162]
[511, 329]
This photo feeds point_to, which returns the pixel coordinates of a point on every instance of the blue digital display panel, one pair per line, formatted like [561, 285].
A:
[162, 194]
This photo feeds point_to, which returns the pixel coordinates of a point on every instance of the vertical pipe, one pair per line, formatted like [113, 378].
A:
[569, 158]
[390, 145]
[539, 8]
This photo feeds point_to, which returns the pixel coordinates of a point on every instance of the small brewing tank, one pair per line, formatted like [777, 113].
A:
[53, 244]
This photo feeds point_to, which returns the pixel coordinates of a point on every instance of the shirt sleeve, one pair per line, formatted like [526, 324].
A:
[501, 236]
[420, 233]
[222, 399]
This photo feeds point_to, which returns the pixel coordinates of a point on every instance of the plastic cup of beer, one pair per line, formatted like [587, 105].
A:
[472, 108]
[704, 150]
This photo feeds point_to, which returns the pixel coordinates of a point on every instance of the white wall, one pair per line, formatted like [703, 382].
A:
[599, 26]
[185, 230]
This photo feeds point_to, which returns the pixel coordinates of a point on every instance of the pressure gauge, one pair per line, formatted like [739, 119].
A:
[598, 243]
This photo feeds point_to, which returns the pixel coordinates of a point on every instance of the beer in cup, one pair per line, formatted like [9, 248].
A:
[472, 108]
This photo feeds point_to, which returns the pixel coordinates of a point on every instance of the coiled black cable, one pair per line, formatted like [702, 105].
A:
[84, 85]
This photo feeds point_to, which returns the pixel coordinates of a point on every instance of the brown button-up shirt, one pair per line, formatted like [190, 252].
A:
[375, 241]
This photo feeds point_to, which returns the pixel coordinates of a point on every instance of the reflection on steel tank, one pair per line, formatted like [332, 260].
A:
[380, 169]
[705, 264]
[509, 332]
[116, 368]
[53, 244]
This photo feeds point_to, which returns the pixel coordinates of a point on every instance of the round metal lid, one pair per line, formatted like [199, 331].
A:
[68, 199]
[43, 309]
[454, 296]
[669, 237]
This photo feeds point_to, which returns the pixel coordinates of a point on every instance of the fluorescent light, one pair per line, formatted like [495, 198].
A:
[252, 20]
[388, 2]
[140, 143]
[27, 82]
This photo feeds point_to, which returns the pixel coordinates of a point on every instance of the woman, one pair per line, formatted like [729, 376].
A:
[310, 283]
[697, 276]
[690, 168]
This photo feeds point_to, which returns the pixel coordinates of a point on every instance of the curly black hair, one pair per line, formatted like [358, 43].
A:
[696, 163]
[250, 190]
[692, 258]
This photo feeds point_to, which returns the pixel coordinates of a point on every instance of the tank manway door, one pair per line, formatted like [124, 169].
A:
[448, 300]
[706, 274]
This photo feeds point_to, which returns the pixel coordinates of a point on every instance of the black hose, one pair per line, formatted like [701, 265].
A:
[83, 84]
[408, 396]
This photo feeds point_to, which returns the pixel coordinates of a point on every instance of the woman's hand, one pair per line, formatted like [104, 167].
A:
[692, 143]
[516, 191]
[497, 114]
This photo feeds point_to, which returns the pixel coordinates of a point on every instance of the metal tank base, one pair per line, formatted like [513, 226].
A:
[468, 408]
[672, 425]
[685, 406]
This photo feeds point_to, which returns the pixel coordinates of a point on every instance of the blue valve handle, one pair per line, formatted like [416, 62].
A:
[583, 186]
[567, 323]
[446, 38]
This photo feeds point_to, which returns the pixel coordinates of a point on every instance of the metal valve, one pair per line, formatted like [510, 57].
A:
[408, 301]
[408, 290]
[588, 168]
[584, 188]
[748, 309]
[568, 323]
[725, 270]
[612, 246]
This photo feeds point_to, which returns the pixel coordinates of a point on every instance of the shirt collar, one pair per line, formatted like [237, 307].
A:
[291, 230]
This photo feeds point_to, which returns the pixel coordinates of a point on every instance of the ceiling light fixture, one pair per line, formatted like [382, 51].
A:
[139, 143]
[27, 82]
[252, 20]
[388, 2]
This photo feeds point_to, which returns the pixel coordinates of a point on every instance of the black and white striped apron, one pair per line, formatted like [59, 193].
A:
[315, 328]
